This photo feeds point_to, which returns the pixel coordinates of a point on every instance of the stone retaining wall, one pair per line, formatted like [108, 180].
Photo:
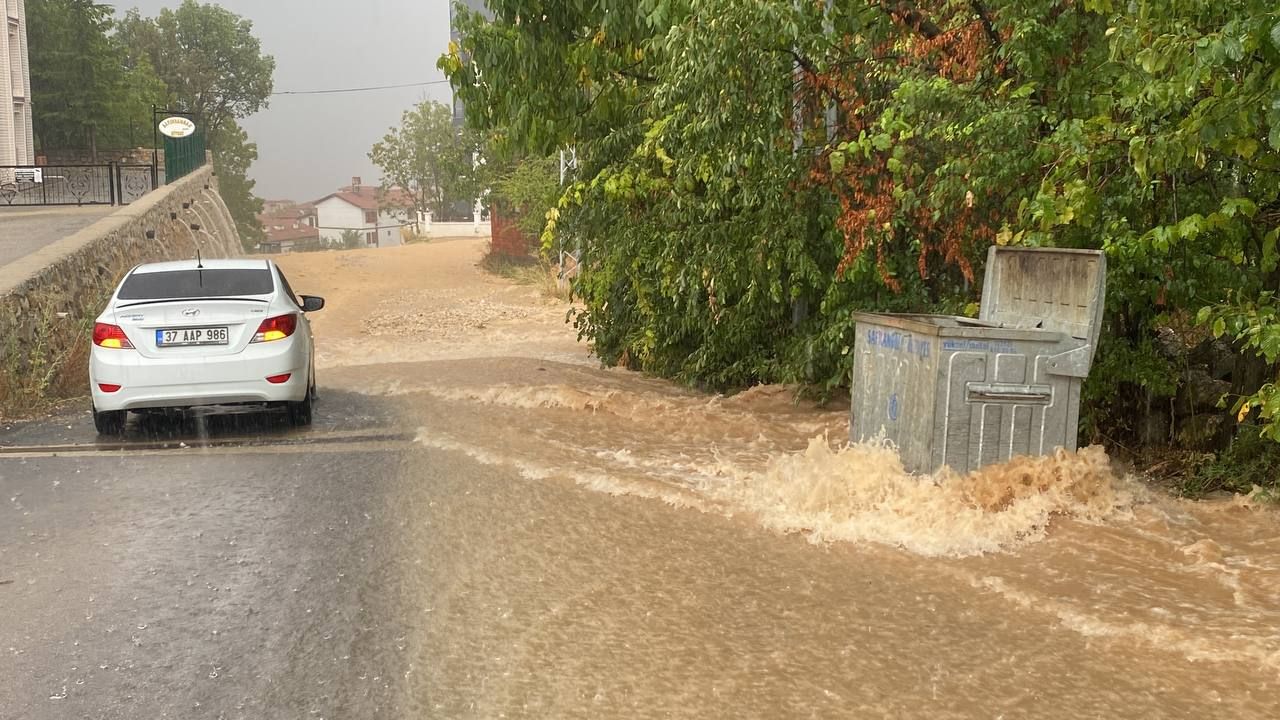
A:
[49, 299]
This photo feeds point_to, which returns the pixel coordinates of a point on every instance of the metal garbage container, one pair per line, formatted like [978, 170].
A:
[966, 393]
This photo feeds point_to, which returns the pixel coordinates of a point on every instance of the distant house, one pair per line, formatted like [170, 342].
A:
[273, 207]
[377, 214]
[289, 227]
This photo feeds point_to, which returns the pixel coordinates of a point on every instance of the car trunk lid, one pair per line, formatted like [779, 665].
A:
[150, 323]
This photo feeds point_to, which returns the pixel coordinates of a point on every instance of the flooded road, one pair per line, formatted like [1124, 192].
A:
[487, 525]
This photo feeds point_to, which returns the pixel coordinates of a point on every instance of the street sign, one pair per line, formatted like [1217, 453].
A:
[177, 127]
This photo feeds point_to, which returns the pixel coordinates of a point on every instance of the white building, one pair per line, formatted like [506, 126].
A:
[376, 215]
[16, 140]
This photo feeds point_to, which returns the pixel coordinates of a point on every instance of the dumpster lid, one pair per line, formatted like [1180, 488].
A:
[1050, 288]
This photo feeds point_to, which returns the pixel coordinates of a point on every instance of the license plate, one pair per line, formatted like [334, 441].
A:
[186, 337]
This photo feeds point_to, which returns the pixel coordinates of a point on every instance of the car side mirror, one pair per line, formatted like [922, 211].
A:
[311, 303]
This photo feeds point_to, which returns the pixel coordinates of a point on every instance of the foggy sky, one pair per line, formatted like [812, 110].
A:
[308, 146]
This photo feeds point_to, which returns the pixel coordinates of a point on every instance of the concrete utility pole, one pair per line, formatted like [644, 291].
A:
[568, 166]
[568, 163]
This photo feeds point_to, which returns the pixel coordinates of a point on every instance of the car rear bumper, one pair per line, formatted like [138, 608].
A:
[193, 382]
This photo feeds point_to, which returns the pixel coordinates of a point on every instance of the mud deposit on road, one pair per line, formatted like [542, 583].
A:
[557, 539]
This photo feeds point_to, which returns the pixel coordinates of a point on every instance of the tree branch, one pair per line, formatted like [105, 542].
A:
[912, 18]
[629, 72]
[988, 26]
[640, 77]
[807, 65]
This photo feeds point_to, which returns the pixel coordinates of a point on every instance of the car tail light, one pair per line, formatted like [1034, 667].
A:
[276, 328]
[108, 387]
[279, 379]
[110, 336]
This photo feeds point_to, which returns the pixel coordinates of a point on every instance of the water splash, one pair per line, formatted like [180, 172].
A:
[861, 493]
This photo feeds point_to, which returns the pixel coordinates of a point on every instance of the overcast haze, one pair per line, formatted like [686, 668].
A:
[309, 146]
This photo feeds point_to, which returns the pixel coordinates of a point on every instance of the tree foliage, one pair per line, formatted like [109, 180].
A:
[214, 67]
[429, 158]
[352, 239]
[753, 172]
[87, 92]
[231, 161]
[208, 57]
[529, 188]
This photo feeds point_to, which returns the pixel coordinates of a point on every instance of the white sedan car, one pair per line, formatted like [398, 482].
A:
[202, 333]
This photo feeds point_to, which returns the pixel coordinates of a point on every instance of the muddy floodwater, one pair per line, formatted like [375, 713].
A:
[486, 523]
[981, 596]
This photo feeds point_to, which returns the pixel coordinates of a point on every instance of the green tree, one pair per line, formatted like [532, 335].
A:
[208, 57]
[530, 189]
[1181, 179]
[87, 94]
[352, 239]
[433, 161]
[231, 162]
[754, 172]
[215, 68]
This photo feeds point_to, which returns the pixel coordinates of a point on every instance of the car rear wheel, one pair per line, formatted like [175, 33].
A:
[300, 412]
[110, 422]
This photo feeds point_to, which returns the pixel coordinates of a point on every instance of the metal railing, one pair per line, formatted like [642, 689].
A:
[110, 184]
[134, 181]
[182, 155]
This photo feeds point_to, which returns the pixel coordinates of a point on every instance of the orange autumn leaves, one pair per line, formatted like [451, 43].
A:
[939, 39]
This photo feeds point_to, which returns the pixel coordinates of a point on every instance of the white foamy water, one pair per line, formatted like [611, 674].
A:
[860, 493]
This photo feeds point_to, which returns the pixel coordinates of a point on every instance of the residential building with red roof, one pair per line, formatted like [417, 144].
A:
[289, 227]
[377, 214]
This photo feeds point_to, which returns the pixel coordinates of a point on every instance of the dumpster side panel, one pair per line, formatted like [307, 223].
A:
[957, 426]
[997, 399]
[894, 384]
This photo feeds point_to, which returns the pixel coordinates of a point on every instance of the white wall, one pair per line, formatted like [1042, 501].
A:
[389, 222]
[334, 214]
[16, 146]
[459, 229]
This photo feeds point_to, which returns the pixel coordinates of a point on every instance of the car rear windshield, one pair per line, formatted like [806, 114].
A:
[184, 284]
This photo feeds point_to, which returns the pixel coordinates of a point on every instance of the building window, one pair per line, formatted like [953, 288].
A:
[372, 238]
[371, 217]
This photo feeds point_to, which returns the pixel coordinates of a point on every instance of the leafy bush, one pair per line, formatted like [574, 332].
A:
[753, 173]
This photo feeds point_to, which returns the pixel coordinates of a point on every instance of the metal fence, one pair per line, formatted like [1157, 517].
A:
[110, 184]
[182, 155]
[134, 181]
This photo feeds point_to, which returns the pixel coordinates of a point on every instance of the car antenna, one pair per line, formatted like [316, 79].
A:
[199, 260]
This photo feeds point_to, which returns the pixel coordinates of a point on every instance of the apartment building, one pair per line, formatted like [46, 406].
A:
[455, 35]
[17, 145]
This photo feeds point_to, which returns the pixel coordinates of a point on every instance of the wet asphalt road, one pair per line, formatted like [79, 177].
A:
[240, 580]
[348, 572]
